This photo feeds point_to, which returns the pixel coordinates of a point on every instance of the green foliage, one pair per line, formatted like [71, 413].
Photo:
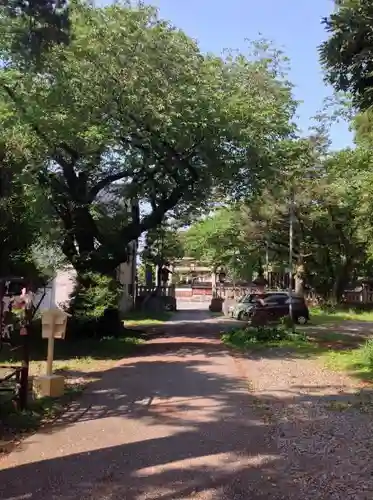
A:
[348, 53]
[36, 26]
[92, 295]
[366, 354]
[19, 224]
[357, 361]
[249, 337]
[163, 245]
[132, 99]
[332, 228]
[330, 243]
[218, 241]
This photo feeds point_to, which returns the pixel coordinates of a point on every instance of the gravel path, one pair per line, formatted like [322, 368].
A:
[186, 420]
[321, 424]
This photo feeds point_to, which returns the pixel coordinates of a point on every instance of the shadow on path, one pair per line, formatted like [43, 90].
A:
[175, 422]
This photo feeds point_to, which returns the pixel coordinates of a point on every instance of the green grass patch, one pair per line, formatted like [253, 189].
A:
[321, 316]
[146, 318]
[251, 338]
[82, 356]
[356, 362]
[334, 338]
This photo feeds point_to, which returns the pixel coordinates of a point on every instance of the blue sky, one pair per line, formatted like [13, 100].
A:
[293, 25]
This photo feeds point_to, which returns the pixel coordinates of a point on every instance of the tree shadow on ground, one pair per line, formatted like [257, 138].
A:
[200, 436]
[164, 426]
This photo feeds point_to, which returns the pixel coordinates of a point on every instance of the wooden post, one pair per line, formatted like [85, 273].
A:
[50, 355]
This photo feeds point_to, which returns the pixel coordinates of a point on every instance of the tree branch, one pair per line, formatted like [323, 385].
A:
[132, 231]
[182, 159]
[56, 155]
[109, 179]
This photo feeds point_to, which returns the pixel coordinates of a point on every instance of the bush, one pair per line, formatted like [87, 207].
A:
[262, 335]
[94, 307]
[93, 294]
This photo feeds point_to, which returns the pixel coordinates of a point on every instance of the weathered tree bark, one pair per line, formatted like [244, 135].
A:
[340, 283]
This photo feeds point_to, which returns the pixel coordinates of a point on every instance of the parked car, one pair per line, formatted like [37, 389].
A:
[277, 305]
[242, 308]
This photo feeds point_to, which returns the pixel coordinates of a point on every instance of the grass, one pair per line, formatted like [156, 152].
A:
[321, 316]
[146, 318]
[357, 362]
[338, 351]
[79, 355]
[251, 338]
[81, 362]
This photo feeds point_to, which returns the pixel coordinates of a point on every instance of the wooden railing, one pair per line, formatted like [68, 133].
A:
[363, 297]
[229, 292]
[165, 291]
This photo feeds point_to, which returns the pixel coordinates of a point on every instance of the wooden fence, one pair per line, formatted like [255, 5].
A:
[164, 291]
[354, 297]
[228, 292]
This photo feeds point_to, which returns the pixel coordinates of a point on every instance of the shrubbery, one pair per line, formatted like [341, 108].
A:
[249, 336]
[94, 307]
[93, 293]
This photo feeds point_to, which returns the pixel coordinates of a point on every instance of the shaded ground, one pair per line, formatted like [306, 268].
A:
[180, 420]
[354, 330]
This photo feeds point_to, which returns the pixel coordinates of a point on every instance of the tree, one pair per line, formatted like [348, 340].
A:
[163, 245]
[18, 224]
[131, 100]
[35, 27]
[329, 248]
[218, 241]
[347, 55]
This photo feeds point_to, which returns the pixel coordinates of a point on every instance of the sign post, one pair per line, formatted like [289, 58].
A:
[54, 323]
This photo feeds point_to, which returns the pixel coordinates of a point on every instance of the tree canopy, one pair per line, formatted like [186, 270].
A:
[34, 27]
[131, 104]
[348, 53]
[328, 244]
[218, 241]
[332, 228]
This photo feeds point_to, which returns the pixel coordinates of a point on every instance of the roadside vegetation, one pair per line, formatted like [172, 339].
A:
[263, 337]
[80, 362]
[337, 350]
[146, 318]
[357, 362]
[321, 315]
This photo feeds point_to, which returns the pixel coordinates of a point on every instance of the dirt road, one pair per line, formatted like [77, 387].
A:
[174, 422]
[179, 421]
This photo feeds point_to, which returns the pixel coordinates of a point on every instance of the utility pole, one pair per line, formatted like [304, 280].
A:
[267, 265]
[291, 235]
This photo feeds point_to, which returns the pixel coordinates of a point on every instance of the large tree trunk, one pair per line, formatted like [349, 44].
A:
[341, 280]
[338, 288]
